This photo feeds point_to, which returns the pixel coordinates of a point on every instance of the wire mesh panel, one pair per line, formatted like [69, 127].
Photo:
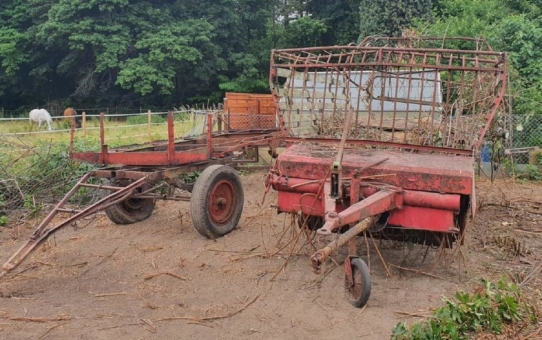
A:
[400, 92]
[235, 122]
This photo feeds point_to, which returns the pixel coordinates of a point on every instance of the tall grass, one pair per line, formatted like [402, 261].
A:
[131, 130]
[35, 168]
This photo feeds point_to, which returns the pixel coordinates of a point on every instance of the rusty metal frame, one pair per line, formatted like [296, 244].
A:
[347, 110]
[45, 228]
[429, 97]
[202, 150]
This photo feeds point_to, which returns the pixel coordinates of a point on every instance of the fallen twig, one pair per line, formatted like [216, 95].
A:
[151, 276]
[41, 320]
[200, 320]
[51, 328]
[109, 294]
[416, 315]
[118, 326]
[150, 324]
[104, 258]
[533, 335]
[199, 324]
[417, 272]
[531, 275]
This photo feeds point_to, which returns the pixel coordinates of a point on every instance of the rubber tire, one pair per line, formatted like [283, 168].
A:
[201, 196]
[124, 213]
[358, 266]
[313, 222]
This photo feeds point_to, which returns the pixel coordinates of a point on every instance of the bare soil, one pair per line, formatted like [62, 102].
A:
[160, 279]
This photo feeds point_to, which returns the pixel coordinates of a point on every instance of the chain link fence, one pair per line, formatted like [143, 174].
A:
[525, 132]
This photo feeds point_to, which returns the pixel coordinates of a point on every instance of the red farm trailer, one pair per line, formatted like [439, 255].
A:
[135, 176]
[382, 137]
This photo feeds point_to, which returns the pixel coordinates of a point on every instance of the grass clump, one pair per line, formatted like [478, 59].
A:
[491, 309]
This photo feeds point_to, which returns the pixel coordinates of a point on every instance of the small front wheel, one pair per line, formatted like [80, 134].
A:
[217, 201]
[357, 282]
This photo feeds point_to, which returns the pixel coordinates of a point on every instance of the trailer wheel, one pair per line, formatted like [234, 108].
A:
[358, 284]
[131, 210]
[217, 201]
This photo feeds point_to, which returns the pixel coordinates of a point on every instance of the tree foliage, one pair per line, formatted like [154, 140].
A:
[388, 18]
[510, 25]
[172, 52]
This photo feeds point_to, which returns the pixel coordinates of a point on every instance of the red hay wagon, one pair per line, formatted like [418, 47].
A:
[382, 137]
[136, 176]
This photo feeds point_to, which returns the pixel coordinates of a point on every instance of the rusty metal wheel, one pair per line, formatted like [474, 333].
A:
[217, 201]
[131, 210]
[357, 282]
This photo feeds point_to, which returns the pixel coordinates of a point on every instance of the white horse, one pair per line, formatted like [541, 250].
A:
[40, 115]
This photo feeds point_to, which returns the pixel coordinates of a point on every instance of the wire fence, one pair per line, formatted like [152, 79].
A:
[35, 166]
[57, 111]
[525, 133]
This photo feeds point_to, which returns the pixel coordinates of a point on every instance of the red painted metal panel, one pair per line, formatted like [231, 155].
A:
[295, 202]
[412, 198]
[425, 199]
[140, 158]
[412, 171]
[423, 219]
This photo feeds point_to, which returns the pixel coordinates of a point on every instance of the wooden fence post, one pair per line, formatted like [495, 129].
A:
[193, 117]
[84, 123]
[149, 120]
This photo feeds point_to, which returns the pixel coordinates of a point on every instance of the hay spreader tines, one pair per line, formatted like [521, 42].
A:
[382, 139]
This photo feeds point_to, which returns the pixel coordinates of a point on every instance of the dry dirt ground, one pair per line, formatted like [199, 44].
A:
[98, 283]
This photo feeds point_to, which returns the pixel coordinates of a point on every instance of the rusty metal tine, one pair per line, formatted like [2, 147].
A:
[447, 108]
[42, 232]
[459, 110]
[437, 86]
[409, 91]
[383, 81]
[422, 83]
[495, 106]
[60, 204]
[97, 186]
[396, 95]
[171, 138]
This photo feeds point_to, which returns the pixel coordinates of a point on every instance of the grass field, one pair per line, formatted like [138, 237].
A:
[129, 130]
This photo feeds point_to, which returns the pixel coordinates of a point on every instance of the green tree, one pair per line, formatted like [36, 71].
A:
[341, 18]
[381, 17]
[517, 32]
